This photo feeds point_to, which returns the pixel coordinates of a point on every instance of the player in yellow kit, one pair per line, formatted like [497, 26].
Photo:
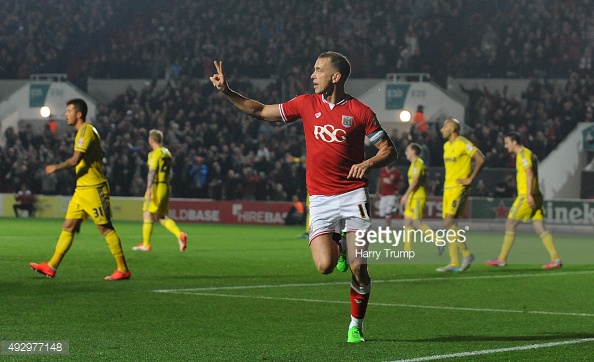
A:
[158, 190]
[528, 204]
[415, 197]
[458, 154]
[91, 195]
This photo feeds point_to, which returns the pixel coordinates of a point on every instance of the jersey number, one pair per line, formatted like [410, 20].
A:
[166, 165]
[98, 211]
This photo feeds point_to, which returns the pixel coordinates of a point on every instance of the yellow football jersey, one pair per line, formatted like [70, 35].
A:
[417, 170]
[457, 159]
[160, 160]
[525, 159]
[90, 170]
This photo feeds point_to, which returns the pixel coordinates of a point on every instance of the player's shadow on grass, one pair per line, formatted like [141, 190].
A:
[546, 337]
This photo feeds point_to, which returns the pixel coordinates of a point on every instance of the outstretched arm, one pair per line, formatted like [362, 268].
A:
[269, 113]
[69, 163]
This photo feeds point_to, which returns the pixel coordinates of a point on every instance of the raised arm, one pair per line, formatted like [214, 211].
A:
[269, 113]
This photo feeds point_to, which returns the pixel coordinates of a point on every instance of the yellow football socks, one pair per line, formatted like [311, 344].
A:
[147, 230]
[171, 226]
[547, 240]
[408, 238]
[453, 251]
[115, 246]
[64, 243]
[508, 242]
[461, 244]
[427, 231]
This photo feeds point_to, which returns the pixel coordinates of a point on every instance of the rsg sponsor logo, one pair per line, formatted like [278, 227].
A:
[328, 133]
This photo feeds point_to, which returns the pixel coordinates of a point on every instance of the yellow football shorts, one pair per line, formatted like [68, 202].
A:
[454, 201]
[415, 207]
[159, 203]
[520, 210]
[90, 201]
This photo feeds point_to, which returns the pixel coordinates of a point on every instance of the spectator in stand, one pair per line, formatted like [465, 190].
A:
[199, 172]
[506, 188]
[539, 145]
[232, 186]
[215, 184]
[296, 214]
[26, 202]
[48, 183]
[419, 120]
[480, 190]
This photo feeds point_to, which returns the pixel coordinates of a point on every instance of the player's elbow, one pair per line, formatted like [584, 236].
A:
[392, 154]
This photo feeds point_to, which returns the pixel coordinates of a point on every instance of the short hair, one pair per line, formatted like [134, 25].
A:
[339, 62]
[416, 148]
[514, 136]
[80, 106]
[156, 135]
[456, 122]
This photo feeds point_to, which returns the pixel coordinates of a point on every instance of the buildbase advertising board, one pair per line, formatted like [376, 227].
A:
[229, 212]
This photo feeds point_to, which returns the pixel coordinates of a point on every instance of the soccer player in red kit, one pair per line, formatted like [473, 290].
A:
[388, 186]
[335, 126]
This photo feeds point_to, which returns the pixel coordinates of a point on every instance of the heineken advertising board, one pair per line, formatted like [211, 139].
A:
[567, 212]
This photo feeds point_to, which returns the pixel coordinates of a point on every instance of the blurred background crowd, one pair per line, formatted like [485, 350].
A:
[223, 154]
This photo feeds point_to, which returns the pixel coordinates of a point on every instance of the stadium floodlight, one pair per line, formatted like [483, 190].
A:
[45, 111]
[405, 116]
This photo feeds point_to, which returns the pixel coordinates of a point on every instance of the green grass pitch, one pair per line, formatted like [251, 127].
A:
[252, 293]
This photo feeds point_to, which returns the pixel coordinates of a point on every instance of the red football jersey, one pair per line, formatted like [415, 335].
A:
[334, 138]
[390, 180]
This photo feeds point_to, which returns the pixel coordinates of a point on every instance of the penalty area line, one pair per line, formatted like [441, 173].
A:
[497, 350]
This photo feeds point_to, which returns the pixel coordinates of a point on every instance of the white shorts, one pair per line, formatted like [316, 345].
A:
[386, 205]
[344, 212]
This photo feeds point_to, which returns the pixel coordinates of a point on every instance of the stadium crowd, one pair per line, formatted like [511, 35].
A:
[222, 154]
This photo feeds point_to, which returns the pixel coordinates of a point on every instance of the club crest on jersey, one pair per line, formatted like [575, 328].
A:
[347, 121]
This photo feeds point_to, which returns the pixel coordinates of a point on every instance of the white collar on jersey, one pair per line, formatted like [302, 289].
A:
[332, 105]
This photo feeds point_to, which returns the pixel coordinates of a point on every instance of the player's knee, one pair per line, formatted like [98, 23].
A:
[325, 264]
[325, 267]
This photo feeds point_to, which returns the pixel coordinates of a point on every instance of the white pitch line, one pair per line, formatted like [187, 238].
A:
[497, 350]
[266, 286]
[382, 304]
